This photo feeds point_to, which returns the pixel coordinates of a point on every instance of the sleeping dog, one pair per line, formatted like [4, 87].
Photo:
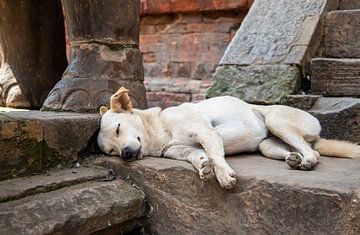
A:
[203, 133]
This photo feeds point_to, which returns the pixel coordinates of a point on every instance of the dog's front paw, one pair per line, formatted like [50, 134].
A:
[225, 177]
[206, 171]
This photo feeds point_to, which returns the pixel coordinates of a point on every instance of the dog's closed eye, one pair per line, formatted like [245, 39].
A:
[111, 151]
[118, 130]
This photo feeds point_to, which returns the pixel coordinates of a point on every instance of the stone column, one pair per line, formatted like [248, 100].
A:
[33, 51]
[103, 36]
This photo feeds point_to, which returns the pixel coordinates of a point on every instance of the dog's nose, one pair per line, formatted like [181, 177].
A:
[129, 153]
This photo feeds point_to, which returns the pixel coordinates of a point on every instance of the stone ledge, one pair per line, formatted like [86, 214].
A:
[33, 141]
[81, 209]
[269, 198]
[22, 187]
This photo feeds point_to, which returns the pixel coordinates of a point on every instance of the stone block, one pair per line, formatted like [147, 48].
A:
[335, 77]
[86, 208]
[34, 141]
[269, 198]
[261, 84]
[342, 32]
[271, 29]
[339, 118]
[349, 4]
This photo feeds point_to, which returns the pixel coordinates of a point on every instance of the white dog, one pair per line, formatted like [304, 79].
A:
[202, 133]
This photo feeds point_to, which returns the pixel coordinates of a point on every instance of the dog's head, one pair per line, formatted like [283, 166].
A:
[120, 130]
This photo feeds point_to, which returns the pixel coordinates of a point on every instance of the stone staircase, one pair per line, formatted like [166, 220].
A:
[48, 184]
[336, 73]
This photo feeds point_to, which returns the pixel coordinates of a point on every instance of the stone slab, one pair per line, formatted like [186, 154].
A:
[336, 77]
[261, 84]
[342, 32]
[81, 209]
[339, 118]
[269, 198]
[21, 187]
[349, 4]
[33, 141]
[272, 29]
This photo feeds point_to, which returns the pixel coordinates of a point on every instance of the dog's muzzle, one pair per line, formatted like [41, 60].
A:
[129, 154]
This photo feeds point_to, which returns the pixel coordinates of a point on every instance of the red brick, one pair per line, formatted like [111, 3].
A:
[152, 7]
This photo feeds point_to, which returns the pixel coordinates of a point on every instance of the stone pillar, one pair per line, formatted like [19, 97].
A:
[103, 36]
[33, 51]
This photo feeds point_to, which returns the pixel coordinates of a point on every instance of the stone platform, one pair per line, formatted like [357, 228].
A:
[34, 141]
[269, 198]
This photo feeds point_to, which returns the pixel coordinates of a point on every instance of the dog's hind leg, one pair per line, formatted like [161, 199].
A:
[196, 156]
[304, 157]
[274, 148]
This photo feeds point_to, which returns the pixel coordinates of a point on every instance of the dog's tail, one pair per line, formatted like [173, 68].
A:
[337, 148]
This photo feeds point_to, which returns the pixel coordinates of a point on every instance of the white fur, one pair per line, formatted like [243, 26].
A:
[204, 132]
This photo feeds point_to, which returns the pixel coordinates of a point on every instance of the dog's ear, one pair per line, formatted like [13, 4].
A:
[120, 101]
[103, 110]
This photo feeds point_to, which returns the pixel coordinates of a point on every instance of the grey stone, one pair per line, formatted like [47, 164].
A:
[342, 32]
[339, 118]
[271, 29]
[33, 141]
[335, 77]
[269, 198]
[81, 209]
[21, 187]
[262, 84]
[349, 4]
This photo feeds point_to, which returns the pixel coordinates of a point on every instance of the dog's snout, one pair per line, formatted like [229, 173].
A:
[129, 153]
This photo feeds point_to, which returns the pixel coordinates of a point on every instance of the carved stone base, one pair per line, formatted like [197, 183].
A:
[95, 72]
[87, 95]
[12, 94]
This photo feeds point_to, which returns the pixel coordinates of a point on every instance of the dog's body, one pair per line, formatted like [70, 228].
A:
[202, 133]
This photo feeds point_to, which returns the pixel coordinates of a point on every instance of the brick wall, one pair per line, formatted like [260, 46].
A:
[182, 42]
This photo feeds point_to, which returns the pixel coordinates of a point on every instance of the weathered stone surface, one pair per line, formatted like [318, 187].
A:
[269, 198]
[152, 7]
[339, 118]
[81, 209]
[32, 49]
[262, 84]
[21, 187]
[305, 102]
[335, 77]
[342, 32]
[271, 29]
[33, 141]
[104, 55]
[349, 4]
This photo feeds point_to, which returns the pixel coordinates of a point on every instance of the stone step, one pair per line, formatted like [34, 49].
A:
[112, 207]
[342, 33]
[349, 4]
[34, 141]
[335, 77]
[21, 187]
[339, 118]
[269, 198]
